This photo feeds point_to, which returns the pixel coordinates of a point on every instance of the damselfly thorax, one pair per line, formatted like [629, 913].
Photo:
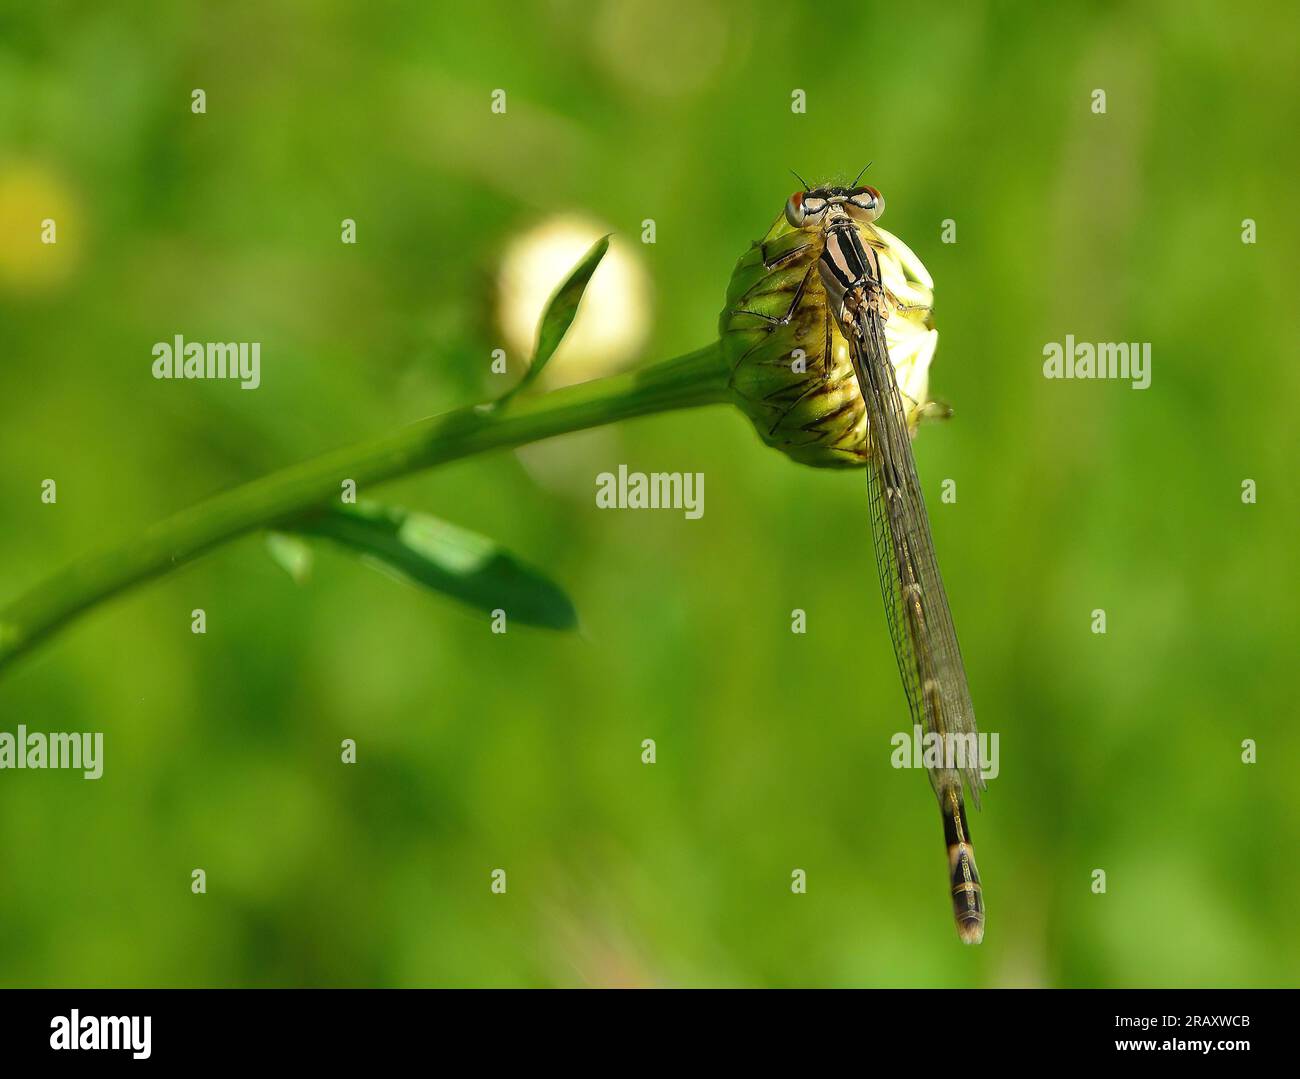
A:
[791, 369]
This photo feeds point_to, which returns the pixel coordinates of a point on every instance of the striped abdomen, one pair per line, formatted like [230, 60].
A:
[967, 896]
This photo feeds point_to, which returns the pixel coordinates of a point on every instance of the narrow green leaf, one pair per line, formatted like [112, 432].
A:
[561, 310]
[425, 550]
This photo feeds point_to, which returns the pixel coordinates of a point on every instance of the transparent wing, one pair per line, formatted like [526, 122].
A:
[916, 606]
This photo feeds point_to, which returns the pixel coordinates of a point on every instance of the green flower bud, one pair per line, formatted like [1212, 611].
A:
[790, 367]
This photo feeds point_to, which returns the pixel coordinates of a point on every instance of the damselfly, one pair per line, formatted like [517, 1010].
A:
[815, 313]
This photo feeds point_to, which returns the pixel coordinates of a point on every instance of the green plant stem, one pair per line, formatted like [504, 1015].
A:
[697, 378]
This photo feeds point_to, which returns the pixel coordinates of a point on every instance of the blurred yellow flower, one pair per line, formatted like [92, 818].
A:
[41, 225]
[614, 316]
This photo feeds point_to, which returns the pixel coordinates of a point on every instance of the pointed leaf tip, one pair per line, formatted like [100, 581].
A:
[562, 308]
[292, 555]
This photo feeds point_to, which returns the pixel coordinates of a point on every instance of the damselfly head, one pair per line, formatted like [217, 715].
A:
[807, 209]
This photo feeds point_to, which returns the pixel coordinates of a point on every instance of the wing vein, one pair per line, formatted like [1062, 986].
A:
[916, 605]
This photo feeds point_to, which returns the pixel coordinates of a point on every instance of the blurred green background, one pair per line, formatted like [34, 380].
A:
[1119, 752]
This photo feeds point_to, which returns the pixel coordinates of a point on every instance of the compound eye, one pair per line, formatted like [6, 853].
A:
[794, 210]
[868, 201]
[814, 206]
